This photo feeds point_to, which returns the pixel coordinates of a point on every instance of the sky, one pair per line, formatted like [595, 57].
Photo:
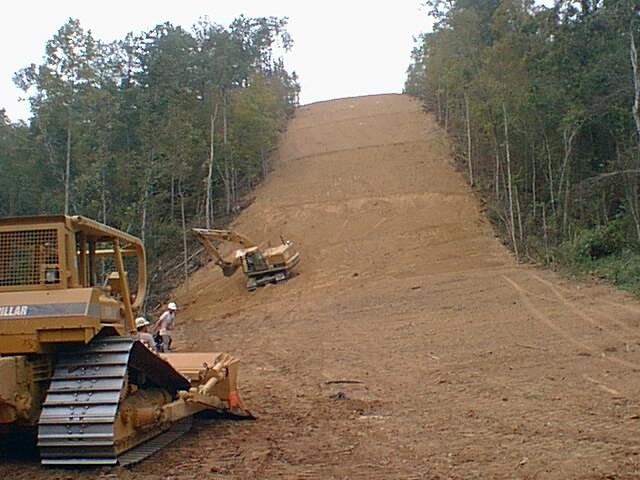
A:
[341, 48]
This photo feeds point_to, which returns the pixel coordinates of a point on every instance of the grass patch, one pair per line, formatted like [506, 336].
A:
[606, 252]
[623, 270]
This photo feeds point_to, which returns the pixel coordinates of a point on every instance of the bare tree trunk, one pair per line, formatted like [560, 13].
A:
[534, 192]
[145, 195]
[225, 173]
[565, 207]
[234, 187]
[184, 236]
[603, 204]
[265, 167]
[104, 195]
[224, 118]
[550, 169]
[509, 180]
[519, 214]
[545, 232]
[173, 197]
[568, 135]
[439, 103]
[67, 175]
[209, 204]
[227, 187]
[497, 172]
[469, 158]
[446, 110]
[227, 167]
[145, 201]
[633, 52]
[143, 228]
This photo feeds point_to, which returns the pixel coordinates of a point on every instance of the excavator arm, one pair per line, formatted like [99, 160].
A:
[207, 235]
[224, 235]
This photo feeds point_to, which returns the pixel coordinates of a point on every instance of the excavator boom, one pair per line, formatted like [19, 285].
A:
[205, 237]
[224, 235]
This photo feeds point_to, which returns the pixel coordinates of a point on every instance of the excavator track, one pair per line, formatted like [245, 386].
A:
[77, 423]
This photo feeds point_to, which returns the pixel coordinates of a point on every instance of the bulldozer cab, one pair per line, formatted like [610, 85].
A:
[64, 279]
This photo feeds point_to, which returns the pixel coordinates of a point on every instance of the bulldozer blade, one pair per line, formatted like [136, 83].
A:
[215, 377]
[238, 414]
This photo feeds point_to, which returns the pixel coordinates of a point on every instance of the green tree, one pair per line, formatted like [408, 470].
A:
[59, 82]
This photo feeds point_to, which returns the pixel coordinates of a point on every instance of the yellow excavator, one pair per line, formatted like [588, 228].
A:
[260, 267]
[70, 364]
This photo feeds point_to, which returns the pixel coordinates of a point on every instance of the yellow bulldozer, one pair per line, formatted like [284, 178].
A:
[70, 364]
[260, 267]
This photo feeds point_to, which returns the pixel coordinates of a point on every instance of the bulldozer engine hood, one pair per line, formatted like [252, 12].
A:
[56, 303]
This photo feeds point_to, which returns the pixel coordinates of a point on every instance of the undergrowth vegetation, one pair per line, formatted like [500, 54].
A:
[542, 104]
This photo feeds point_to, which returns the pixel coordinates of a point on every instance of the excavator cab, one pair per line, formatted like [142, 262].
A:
[254, 262]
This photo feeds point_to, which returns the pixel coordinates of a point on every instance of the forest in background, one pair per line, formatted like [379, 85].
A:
[153, 133]
[542, 106]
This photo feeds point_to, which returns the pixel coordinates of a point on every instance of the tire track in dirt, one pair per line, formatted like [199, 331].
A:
[588, 318]
[539, 315]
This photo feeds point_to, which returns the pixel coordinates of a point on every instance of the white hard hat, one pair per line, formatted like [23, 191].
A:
[141, 322]
[172, 306]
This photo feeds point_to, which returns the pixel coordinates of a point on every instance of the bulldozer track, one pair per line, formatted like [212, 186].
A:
[137, 454]
[76, 424]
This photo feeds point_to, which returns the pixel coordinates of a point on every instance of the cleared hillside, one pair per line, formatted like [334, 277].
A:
[410, 345]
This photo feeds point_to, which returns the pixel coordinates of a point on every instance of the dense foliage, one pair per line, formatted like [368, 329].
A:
[542, 105]
[152, 133]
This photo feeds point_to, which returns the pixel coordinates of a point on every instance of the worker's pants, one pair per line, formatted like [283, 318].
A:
[166, 342]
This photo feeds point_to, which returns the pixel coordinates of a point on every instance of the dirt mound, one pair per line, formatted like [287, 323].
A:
[410, 345]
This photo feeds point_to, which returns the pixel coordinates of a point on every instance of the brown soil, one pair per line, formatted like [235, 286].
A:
[410, 345]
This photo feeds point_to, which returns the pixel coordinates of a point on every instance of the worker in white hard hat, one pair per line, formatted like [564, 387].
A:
[164, 325]
[143, 335]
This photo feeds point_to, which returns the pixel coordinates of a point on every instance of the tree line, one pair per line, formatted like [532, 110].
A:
[152, 133]
[542, 105]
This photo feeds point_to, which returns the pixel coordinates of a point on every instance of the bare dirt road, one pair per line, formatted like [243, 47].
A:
[410, 345]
